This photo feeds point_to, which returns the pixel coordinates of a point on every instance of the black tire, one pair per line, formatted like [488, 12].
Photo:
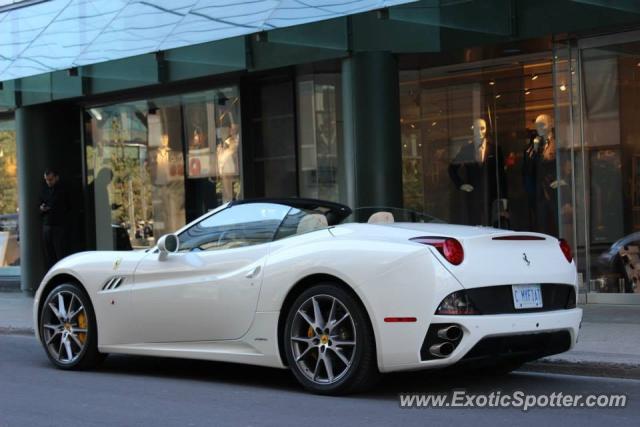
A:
[362, 370]
[56, 329]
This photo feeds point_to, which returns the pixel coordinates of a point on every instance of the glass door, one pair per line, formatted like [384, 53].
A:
[610, 85]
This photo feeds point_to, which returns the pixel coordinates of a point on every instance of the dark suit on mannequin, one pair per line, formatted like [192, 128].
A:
[539, 174]
[485, 173]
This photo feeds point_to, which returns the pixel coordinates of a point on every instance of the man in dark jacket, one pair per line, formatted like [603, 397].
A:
[55, 207]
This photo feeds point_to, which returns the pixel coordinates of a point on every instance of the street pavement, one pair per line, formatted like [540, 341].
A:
[141, 391]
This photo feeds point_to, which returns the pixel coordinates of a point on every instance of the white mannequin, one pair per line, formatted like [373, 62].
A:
[480, 143]
[544, 126]
[544, 129]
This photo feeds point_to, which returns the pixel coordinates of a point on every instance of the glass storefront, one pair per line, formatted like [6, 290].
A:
[547, 142]
[610, 105]
[9, 237]
[319, 135]
[479, 144]
[152, 164]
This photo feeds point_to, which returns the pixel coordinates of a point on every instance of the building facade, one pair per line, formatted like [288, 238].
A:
[512, 114]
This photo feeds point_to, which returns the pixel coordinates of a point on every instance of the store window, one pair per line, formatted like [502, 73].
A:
[480, 144]
[9, 230]
[319, 135]
[153, 163]
[611, 138]
[271, 152]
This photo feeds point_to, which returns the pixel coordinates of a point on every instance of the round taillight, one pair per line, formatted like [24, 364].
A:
[453, 252]
[566, 250]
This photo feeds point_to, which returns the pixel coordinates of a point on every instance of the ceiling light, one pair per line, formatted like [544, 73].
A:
[563, 87]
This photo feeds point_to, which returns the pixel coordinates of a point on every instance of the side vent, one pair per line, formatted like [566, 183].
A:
[113, 283]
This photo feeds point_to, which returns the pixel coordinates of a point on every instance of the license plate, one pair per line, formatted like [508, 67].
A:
[526, 296]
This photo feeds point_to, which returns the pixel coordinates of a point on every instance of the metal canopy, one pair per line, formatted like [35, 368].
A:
[62, 34]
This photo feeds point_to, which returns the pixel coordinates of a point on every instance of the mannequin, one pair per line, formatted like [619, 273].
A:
[478, 172]
[227, 153]
[539, 177]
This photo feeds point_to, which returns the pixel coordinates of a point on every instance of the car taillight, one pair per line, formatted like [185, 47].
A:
[566, 250]
[450, 249]
[457, 303]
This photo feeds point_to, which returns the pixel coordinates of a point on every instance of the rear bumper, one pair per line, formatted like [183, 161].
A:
[494, 336]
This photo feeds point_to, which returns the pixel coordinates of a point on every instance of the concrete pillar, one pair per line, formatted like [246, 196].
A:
[32, 152]
[372, 155]
[47, 135]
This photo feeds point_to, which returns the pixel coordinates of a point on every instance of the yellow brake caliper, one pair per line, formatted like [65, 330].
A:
[82, 324]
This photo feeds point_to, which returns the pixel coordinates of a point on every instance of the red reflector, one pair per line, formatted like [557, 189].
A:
[521, 237]
[400, 319]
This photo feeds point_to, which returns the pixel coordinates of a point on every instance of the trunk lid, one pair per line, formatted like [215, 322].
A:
[501, 257]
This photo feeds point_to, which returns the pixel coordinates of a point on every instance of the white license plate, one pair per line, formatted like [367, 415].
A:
[526, 296]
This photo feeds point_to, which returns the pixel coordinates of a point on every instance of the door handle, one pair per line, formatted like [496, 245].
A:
[253, 273]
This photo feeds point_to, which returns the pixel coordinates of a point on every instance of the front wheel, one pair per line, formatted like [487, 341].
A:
[329, 342]
[68, 328]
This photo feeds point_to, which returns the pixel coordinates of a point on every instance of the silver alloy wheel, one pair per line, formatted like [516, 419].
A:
[323, 339]
[64, 326]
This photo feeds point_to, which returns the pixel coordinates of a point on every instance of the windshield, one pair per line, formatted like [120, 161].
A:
[380, 214]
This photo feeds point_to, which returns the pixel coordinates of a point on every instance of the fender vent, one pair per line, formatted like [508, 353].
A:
[113, 283]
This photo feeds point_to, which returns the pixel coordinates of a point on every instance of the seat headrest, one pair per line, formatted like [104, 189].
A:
[381, 218]
[312, 222]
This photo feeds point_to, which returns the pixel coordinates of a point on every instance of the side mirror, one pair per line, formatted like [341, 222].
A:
[168, 244]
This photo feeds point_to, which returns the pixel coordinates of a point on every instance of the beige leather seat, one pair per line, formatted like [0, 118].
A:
[381, 218]
[312, 222]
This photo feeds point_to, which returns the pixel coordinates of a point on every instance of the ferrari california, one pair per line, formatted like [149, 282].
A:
[336, 296]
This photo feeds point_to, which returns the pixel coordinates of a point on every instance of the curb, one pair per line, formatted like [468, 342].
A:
[585, 369]
[10, 330]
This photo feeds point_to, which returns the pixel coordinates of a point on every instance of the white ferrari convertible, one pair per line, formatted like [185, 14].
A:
[290, 283]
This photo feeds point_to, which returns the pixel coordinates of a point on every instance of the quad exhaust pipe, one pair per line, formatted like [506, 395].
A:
[450, 333]
[442, 350]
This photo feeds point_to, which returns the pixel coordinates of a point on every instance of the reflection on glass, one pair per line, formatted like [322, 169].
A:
[212, 127]
[318, 135]
[9, 238]
[136, 162]
[479, 145]
[610, 77]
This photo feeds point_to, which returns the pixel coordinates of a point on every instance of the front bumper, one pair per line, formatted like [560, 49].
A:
[477, 328]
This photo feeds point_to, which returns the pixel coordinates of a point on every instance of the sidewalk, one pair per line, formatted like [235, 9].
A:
[16, 310]
[609, 342]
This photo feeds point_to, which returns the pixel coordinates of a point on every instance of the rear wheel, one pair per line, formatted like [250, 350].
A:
[68, 328]
[329, 342]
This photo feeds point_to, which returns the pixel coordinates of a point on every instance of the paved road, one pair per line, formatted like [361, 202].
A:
[138, 391]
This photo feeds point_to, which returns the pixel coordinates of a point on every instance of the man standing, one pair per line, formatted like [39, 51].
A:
[55, 208]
